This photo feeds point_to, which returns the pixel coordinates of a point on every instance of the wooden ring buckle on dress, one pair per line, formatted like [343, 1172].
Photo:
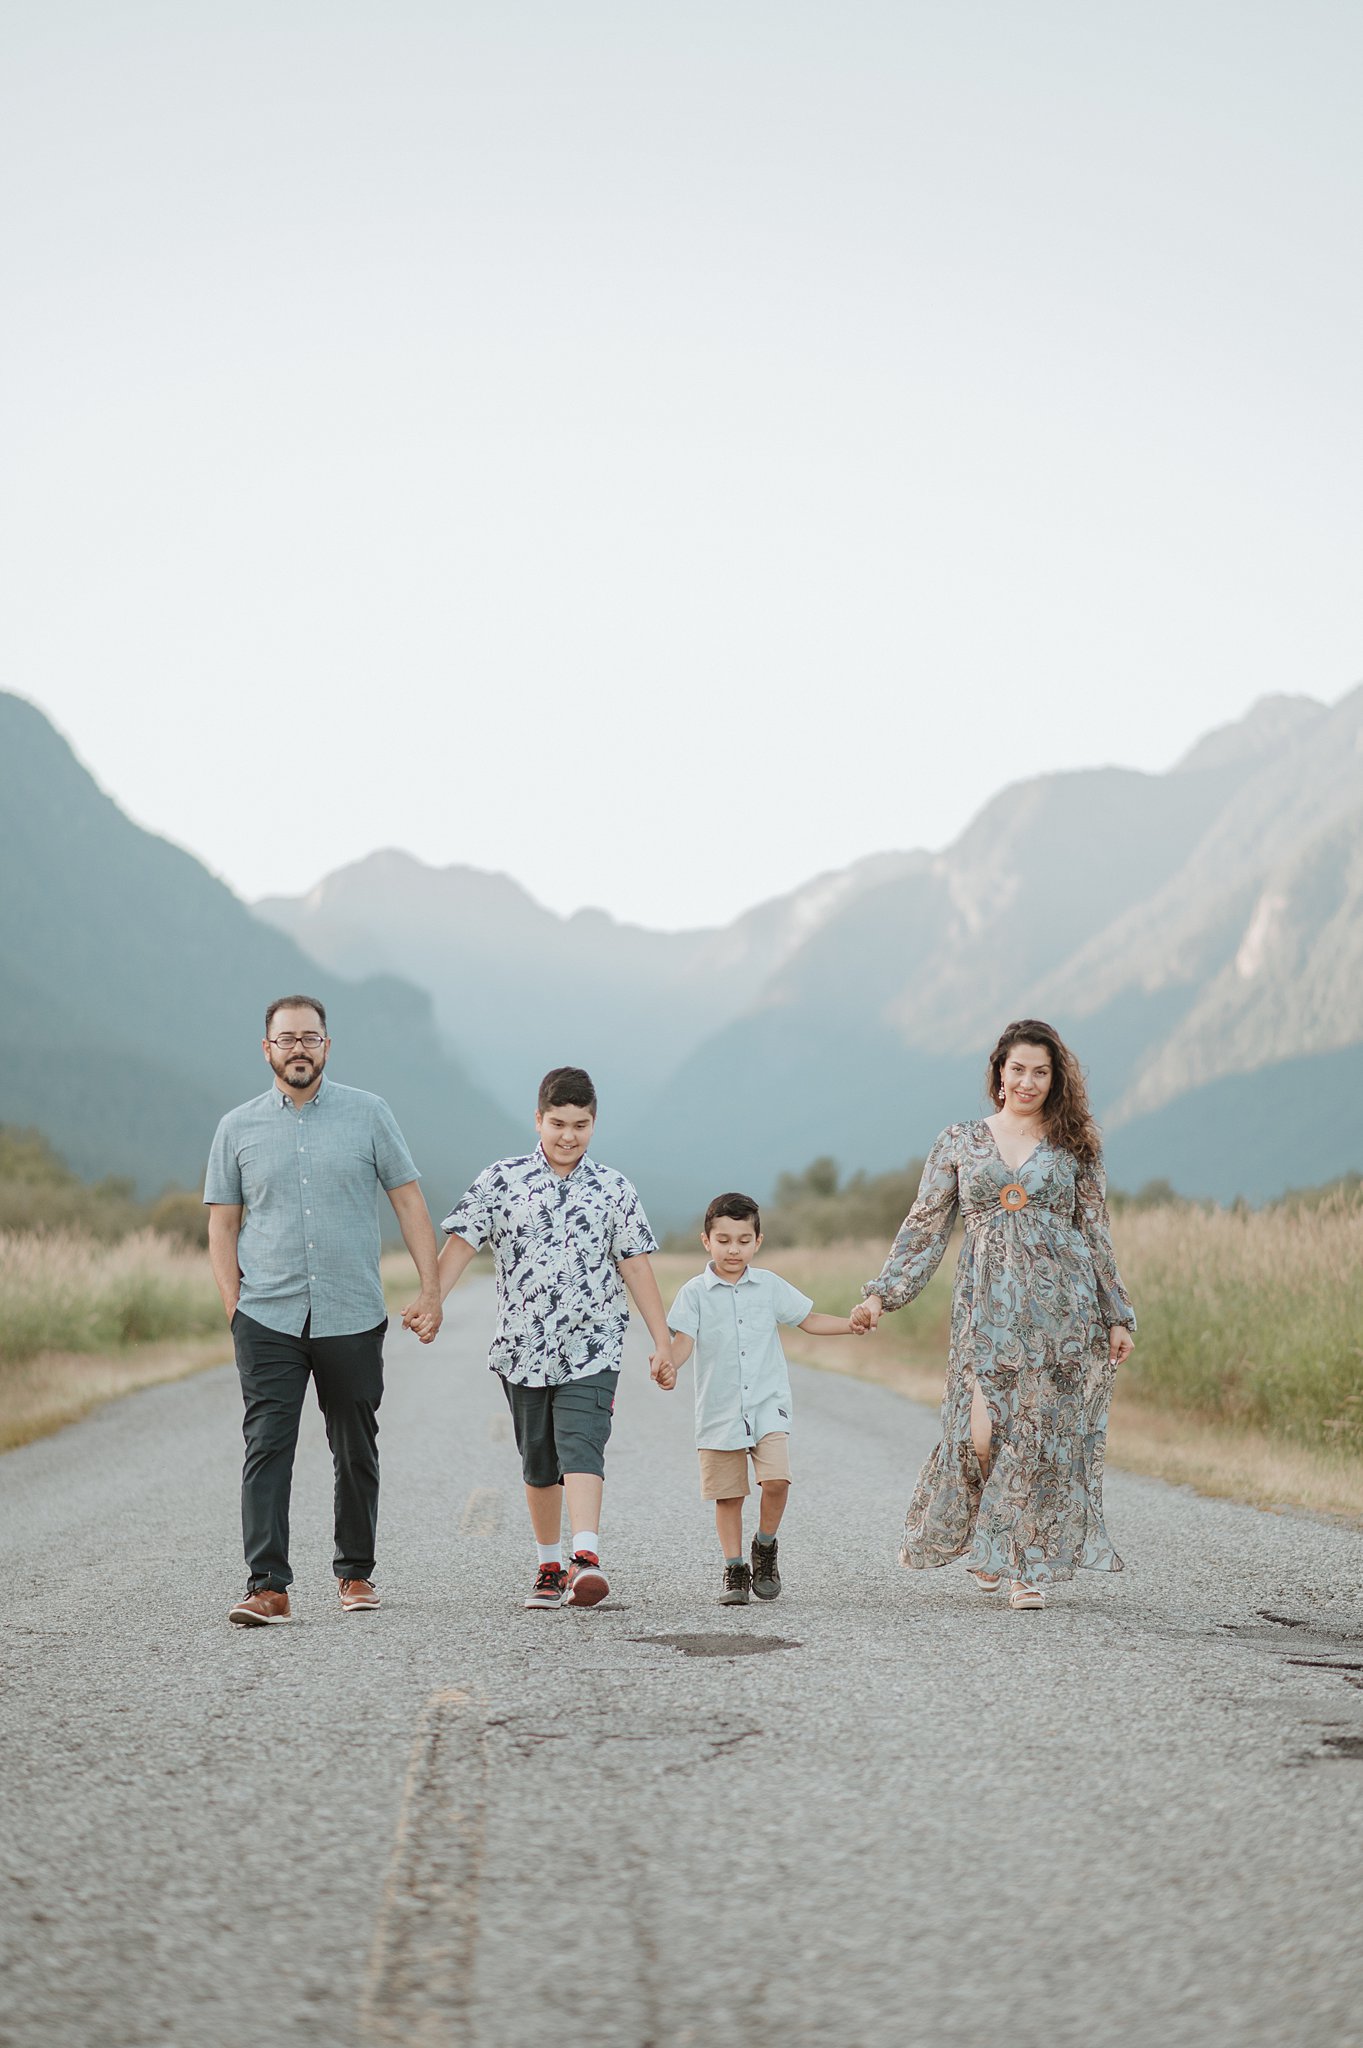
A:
[1013, 1196]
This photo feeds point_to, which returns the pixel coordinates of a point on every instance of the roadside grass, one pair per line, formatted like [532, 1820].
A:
[65, 1293]
[1247, 1378]
[43, 1393]
[83, 1322]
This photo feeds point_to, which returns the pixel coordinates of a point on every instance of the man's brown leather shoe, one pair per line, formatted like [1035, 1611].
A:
[259, 1610]
[356, 1595]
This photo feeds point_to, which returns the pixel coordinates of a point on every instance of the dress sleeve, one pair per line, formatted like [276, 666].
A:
[917, 1251]
[1090, 1215]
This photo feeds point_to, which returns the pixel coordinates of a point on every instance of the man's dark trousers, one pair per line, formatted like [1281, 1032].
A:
[348, 1374]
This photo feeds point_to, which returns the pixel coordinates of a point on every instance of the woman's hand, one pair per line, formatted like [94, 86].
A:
[1120, 1344]
[866, 1315]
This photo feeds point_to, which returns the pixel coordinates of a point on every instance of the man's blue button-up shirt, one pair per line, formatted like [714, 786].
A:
[308, 1180]
[742, 1383]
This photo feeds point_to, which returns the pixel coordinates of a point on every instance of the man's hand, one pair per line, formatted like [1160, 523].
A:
[1120, 1344]
[231, 1308]
[663, 1370]
[866, 1315]
[424, 1316]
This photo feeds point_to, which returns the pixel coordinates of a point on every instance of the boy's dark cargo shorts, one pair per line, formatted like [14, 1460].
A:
[564, 1428]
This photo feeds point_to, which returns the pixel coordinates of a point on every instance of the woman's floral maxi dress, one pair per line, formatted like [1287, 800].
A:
[1036, 1292]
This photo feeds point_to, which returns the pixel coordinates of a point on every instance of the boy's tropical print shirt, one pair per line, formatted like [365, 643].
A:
[556, 1238]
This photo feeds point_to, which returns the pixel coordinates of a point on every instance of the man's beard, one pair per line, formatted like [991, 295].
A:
[282, 1066]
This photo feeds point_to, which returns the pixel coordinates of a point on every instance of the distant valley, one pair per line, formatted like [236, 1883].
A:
[1198, 935]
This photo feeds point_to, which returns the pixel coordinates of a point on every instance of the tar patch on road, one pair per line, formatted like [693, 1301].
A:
[1330, 1646]
[720, 1645]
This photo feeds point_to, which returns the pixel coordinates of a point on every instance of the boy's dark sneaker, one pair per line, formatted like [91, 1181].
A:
[551, 1583]
[587, 1585]
[737, 1580]
[766, 1580]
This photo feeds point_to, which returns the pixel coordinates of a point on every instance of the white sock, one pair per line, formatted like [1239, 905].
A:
[550, 1553]
[587, 1539]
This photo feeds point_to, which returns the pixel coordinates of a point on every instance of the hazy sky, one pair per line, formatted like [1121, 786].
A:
[666, 450]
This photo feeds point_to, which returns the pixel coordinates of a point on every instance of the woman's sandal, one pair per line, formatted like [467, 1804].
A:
[1026, 1596]
[988, 1582]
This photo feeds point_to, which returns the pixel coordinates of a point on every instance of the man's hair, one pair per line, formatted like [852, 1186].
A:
[740, 1208]
[295, 1003]
[567, 1088]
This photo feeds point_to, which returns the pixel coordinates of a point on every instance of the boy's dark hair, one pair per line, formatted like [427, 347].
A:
[738, 1207]
[295, 1003]
[567, 1088]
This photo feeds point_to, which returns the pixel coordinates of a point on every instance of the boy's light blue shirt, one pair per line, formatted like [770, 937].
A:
[742, 1385]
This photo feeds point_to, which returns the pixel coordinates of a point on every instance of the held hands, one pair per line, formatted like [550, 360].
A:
[1120, 1343]
[662, 1370]
[423, 1317]
[866, 1315]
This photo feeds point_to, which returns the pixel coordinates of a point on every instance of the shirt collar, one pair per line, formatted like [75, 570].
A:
[284, 1102]
[539, 1158]
[714, 1279]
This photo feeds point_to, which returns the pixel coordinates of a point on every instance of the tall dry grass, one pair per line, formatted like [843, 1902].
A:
[1247, 1377]
[61, 1292]
[1251, 1318]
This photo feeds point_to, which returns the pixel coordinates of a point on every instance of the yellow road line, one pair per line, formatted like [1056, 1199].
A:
[482, 1512]
[418, 1985]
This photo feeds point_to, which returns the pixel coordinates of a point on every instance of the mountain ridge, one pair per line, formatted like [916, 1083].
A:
[133, 985]
[852, 1015]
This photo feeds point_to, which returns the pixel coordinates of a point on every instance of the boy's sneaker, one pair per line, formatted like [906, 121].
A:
[737, 1580]
[766, 1580]
[587, 1585]
[551, 1583]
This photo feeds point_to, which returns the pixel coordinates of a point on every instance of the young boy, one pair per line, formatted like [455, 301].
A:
[565, 1233]
[731, 1313]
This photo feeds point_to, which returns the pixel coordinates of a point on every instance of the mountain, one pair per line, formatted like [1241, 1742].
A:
[133, 987]
[1197, 935]
[518, 990]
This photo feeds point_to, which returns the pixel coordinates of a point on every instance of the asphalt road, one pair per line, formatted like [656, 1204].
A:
[880, 1810]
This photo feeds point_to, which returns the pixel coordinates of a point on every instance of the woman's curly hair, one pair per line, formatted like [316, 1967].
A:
[1069, 1120]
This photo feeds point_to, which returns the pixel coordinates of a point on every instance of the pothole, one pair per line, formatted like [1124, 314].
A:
[720, 1645]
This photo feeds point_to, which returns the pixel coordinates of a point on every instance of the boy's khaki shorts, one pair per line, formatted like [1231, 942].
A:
[724, 1474]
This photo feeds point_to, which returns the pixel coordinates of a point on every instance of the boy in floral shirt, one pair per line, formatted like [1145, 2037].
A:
[568, 1238]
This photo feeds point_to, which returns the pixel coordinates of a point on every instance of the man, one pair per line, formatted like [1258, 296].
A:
[293, 1237]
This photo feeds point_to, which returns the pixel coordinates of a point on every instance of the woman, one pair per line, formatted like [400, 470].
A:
[1039, 1324]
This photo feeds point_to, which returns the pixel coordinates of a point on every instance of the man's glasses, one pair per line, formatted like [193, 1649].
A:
[287, 1040]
